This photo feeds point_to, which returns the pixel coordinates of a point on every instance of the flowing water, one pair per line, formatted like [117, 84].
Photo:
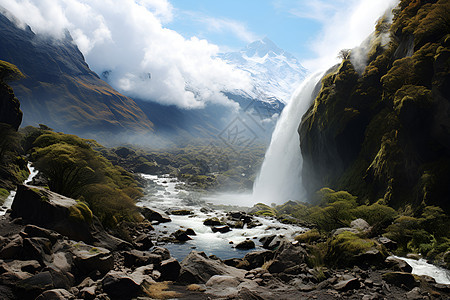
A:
[9, 200]
[165, 193]
[280, 177]
[421, 267]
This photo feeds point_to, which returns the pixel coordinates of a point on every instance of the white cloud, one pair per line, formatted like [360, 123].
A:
[144, 59]
[344, 24]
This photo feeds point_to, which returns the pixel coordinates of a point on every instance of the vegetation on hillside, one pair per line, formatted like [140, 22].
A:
[383, 133]
[426, 232]
[73, 168]
[201, 166]
[12, 165]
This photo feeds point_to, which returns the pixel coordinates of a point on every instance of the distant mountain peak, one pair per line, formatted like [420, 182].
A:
[262, 47]
[275, 72]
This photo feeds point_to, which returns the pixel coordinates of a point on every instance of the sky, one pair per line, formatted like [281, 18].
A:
[165, 50]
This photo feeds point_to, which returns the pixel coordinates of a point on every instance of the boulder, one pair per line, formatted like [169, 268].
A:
[181, 236]
[181, 212]
[360, 224]
[36, 248]
[136, 258]
[346, 285]
[245, 245]
[257, 258]
[169, 269]
[162, 252]
[196, 267]
[88, 258]
[35, 231]
[401, 279]
[118, 285]
[154, 215]
[143, 242]
[44, 208]
[13, 249]
[222, 285]
[55, 294]
[212, 222]
[221, 229]
[397, 264]
[46, 280]
[190, 231]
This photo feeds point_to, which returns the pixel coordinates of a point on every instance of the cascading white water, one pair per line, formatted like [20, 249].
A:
[279, 179]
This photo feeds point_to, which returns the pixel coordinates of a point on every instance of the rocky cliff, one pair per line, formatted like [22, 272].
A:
[60, 90]
[10, 112]
[383, 131]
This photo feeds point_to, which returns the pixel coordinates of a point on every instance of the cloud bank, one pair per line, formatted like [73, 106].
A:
[125, 40]
[345, 24]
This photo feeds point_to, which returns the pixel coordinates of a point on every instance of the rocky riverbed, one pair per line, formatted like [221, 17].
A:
[46, 253]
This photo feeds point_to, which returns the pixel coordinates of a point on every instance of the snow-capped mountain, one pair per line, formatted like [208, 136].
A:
[275, 72]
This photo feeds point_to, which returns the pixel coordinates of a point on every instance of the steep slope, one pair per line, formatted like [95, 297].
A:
[60, 90]
[385, 133]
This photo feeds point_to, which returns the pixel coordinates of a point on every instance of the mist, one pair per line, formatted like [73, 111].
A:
[126, 43]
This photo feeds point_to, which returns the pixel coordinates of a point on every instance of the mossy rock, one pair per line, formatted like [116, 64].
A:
[402, 278]
[309, 236]
[347, 249]
[80, 212]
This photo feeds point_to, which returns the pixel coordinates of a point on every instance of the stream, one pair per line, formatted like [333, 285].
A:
[165, 193]
[9, 200]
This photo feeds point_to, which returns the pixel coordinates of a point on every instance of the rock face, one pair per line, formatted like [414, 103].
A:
[45, 208]
[60, 90]
[10, 112]
[383, 131]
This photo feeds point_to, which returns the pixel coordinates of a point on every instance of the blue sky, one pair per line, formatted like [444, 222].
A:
[177, 41]
[219, 21]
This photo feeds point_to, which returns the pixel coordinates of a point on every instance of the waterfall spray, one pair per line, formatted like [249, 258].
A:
[279, 179]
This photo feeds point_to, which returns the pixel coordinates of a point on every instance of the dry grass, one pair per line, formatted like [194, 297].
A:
[157, 290]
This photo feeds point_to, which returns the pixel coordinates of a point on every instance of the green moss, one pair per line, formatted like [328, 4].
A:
[80, 212]
[3, 195]
[309, 236]
[346, 249]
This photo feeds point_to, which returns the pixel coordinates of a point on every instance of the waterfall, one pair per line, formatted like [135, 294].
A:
[280, 177]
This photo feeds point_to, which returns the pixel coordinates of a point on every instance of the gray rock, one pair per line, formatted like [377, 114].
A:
[118, 285]
[247, 244]
[258, 258]
[222, 285]
[143, 242]
[198, 268]
[346, 285]
[136, 258]
[400, 279]
[180, 235]
[55, 294]
[162, 252]
[13, 249]
[360, 225]
[397, 264]
[44, 208]
[221, 229]
[155, 215]
[169, 269]
[88, 258]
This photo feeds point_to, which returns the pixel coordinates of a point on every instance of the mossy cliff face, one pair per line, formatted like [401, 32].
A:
[385, 133]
